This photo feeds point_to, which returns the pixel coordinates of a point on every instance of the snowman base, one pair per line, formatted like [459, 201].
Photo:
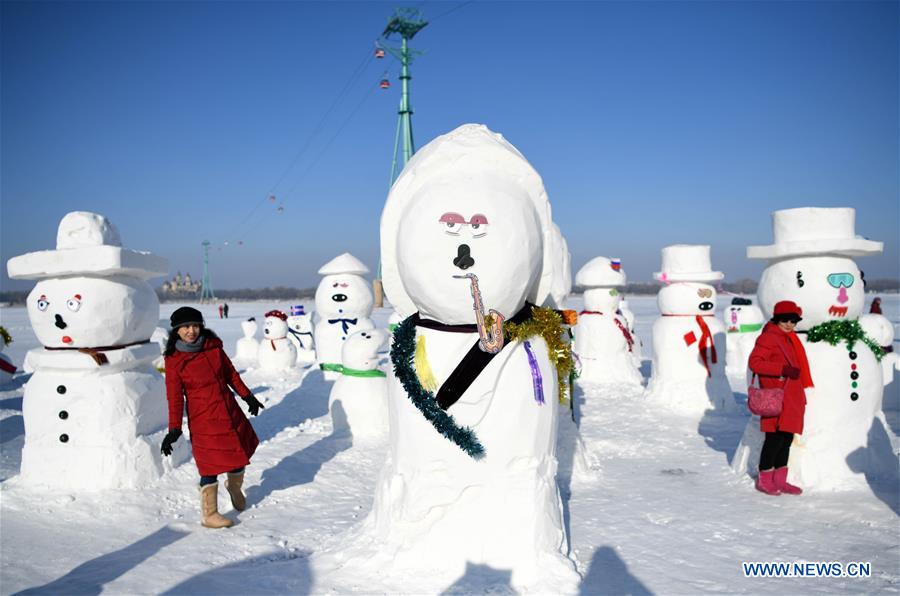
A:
[693, 398]
[358, 405]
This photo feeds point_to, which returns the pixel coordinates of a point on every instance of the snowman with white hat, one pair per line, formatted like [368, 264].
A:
[603, 343]
[343, 306]
[688, 374]
[95, 408]
[468, 250]
[845, 436]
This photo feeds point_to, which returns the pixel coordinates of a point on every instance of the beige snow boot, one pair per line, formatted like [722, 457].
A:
[209, 508]
[233, 484]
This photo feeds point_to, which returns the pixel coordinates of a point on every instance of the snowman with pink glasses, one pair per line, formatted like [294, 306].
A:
[844, 436]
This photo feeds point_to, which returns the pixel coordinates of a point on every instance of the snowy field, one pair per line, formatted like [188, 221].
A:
[659, 511]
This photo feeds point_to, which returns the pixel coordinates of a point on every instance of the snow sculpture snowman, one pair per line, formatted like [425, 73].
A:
[95, 401]
[246, 348]
[688, 374]
[276, 352]
[743, 324]
[300, 332]
[603, 343]
[343, 305]
[811, 263]
[468, 220]
[358, 399]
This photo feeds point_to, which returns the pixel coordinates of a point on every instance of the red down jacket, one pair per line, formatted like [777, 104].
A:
[772, 351]
[221, 436]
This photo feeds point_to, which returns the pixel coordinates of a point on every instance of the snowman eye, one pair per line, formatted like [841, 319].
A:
[479, 225]
[42, 303]
[74, 304]
[451, 223]
[800, 282]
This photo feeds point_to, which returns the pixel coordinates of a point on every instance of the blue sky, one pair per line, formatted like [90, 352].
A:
[652, 123]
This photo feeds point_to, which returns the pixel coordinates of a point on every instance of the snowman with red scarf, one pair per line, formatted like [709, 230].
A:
[603, 343]
[845, 441]
[276, 352]
[95, 408]
[688, 374]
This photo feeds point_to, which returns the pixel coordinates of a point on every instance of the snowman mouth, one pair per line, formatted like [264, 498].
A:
[837, 311]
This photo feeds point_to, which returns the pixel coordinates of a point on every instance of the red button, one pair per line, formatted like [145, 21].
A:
[853, 367]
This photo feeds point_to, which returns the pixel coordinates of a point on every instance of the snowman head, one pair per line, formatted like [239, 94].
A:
[687, 298]
[300, 323]
[275, 326]
[87, 312]
[343, 295]
[742, 312]
[360, 351]
[469, 203]
[249, 327]
[605, 300]
[827, 288]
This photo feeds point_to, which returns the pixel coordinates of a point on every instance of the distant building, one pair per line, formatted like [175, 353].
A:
[181, 287]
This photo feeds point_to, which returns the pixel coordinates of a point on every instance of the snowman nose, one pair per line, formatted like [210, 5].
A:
[842, 295]
[463, 258]
[60, 323]
[339, 297]
[706, 306]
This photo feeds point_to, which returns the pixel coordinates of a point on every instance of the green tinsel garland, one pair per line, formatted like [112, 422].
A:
[849, 331]
[402, 353]
[547, 323]
[5, 336]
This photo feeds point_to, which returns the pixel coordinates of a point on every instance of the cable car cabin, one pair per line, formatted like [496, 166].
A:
[385, 84]
[379, 52]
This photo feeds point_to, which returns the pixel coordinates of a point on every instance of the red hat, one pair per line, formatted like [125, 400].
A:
[283, 317]
[787, 307]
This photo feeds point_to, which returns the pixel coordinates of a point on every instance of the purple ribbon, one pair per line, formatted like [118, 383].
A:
[536, 379]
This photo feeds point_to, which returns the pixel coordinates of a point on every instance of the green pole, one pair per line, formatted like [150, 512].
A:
[405, 108]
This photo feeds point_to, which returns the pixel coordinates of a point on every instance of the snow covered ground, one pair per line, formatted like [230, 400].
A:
[659, 511]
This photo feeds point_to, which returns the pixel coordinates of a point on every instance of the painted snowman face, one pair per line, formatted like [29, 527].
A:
[605, 300]
[827, 288]
[742, 314]
[249, 328]
[91, 312]
[360, 351]
[343, 294]
[687, 298]
[477, 225]
[275, 328]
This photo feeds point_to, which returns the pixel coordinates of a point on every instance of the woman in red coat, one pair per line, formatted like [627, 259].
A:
[222, 439]
[780, 361]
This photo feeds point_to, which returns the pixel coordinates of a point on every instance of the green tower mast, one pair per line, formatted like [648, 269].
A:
[406, 22]
[206, 291]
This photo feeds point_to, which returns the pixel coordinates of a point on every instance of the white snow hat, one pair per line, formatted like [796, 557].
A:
[687, 262]
[344, 264]
[87, 244]
[599, 273]
[815, 230]
[468, 151]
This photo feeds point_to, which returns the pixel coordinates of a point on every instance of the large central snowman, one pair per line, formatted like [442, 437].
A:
[811, 264]
[94, 399]
[468, 203]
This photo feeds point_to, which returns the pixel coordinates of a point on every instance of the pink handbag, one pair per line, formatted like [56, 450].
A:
[764, 402]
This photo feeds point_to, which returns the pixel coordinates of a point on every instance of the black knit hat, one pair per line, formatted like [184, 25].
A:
[186, 316]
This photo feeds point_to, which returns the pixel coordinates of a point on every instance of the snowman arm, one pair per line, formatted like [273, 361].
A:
[234, 379]
[175, 396]
[765, 359]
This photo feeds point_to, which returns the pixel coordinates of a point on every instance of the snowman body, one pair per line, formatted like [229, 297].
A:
[683, 378]
[246, 348]
[276, 352]
[841, 442]
[469, 203]
[358, 398]
[603, 343]
[300, 332]
[344, 306]
[95, 407]
[743, 324]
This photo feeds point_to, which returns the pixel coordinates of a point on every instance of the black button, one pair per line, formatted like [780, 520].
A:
[852, 355]
[854, 375]
[63, 415]
[61, 389]
[854, 396]
[64, 438]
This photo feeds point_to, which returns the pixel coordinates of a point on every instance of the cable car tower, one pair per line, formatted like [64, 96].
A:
[206, 291]
[406, 22]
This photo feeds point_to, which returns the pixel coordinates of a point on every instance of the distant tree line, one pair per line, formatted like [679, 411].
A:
[247, 294]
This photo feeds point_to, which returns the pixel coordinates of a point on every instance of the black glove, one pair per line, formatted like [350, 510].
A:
[790, 372]
[253, 404]
[171, 437]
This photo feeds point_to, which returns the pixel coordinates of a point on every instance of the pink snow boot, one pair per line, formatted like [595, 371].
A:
[781, 483]
[765, 483]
